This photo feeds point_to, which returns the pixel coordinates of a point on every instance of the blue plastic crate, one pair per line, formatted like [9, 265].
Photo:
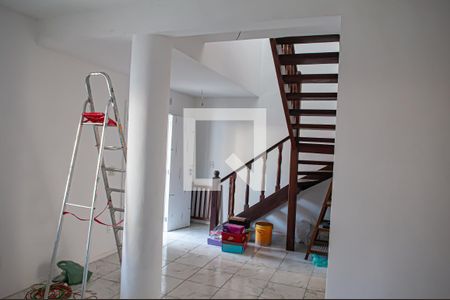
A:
[233, 248]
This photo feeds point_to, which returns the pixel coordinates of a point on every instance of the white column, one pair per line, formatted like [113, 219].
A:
[148, 113]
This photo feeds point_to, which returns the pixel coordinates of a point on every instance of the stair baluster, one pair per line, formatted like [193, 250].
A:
[247, 187]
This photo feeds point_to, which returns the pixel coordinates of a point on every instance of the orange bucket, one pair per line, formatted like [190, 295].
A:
[263, 233]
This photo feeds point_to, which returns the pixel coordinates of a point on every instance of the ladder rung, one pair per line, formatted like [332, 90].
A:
[111, 169]
[78, 205]
[118, 228]
[116, 190]
[118, 209]
[93, 124]
[113, 148]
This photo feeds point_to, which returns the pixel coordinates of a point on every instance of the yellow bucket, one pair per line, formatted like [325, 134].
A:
[263, 233]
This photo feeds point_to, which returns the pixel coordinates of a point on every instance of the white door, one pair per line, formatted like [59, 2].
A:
[178, 202]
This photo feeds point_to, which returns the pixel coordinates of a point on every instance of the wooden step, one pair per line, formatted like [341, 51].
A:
[313, 112]
[314, 173]
[319, 249]
[315, 162]
[309, 58]
[316, 176]
[311, 96]
[310, 78]
[315, 148]
[315, 140]
[324, 229]
[304, 185]
[328, 38]
[314, 126]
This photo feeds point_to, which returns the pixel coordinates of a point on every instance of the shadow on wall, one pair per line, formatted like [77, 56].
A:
[309, 204]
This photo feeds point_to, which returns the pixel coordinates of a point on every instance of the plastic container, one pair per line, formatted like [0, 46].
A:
[234, 237]
[233, 247]
[263, 233]
[320, 261]
[233, 228]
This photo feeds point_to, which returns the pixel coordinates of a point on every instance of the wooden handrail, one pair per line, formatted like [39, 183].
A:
[255, 158]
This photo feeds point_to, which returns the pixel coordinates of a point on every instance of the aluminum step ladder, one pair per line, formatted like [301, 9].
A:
[96, 120]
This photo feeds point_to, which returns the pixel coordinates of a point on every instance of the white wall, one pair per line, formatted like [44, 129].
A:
[179, 101]
[390, 215]
[41, 98]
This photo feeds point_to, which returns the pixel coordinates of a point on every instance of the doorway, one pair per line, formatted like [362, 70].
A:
[177, 202]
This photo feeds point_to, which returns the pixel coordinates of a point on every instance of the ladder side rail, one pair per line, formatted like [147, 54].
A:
[94, 197]
[319, 220]
[111, 102]
[65, 198]
[113, 99]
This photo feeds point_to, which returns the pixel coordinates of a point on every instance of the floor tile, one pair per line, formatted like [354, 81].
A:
[194, 259]
[297, 256]
[113, 258]
[256, 272]
[168, 284]
[248, 286]
[19, 295]
[317, 284]
[183, 245]
[230, 294]
[222, 264]
[171, 253]
[212, 278]
[101, 268]
[192, 290]
[288, 278]
[296, 267]
[279, 291]
[179, 271]
[314, 295]
[272, 253]
[193, 269]
[103, 289]
[320, 272]
[114, 276]
[207, 250]
[265, 261]
[239, 258]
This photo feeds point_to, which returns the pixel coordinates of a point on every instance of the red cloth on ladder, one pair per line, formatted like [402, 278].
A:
[97, 117]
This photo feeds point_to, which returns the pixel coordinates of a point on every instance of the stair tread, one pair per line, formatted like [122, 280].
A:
[328, 38]
[313, 112]
[318, 172]
[319, 249]
[315, 162]
[314, 126]
[309, 58]
[316, 140]
[315, 148]
[310, 78]
[312, 96]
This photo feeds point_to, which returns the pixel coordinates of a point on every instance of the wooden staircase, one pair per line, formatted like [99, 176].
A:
[311, 142]
[315, 140]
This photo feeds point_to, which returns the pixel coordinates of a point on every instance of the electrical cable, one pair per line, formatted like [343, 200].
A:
[95, 218]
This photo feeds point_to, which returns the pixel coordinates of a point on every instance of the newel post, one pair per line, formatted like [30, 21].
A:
[215, 201]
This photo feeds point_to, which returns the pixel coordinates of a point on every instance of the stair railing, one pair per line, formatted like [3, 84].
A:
[216, 192]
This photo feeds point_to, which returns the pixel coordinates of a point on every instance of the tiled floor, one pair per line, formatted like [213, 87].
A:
[192, 269]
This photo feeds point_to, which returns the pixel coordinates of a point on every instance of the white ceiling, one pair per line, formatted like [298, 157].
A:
[99, 31]
[190, 77]
[43, 9]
